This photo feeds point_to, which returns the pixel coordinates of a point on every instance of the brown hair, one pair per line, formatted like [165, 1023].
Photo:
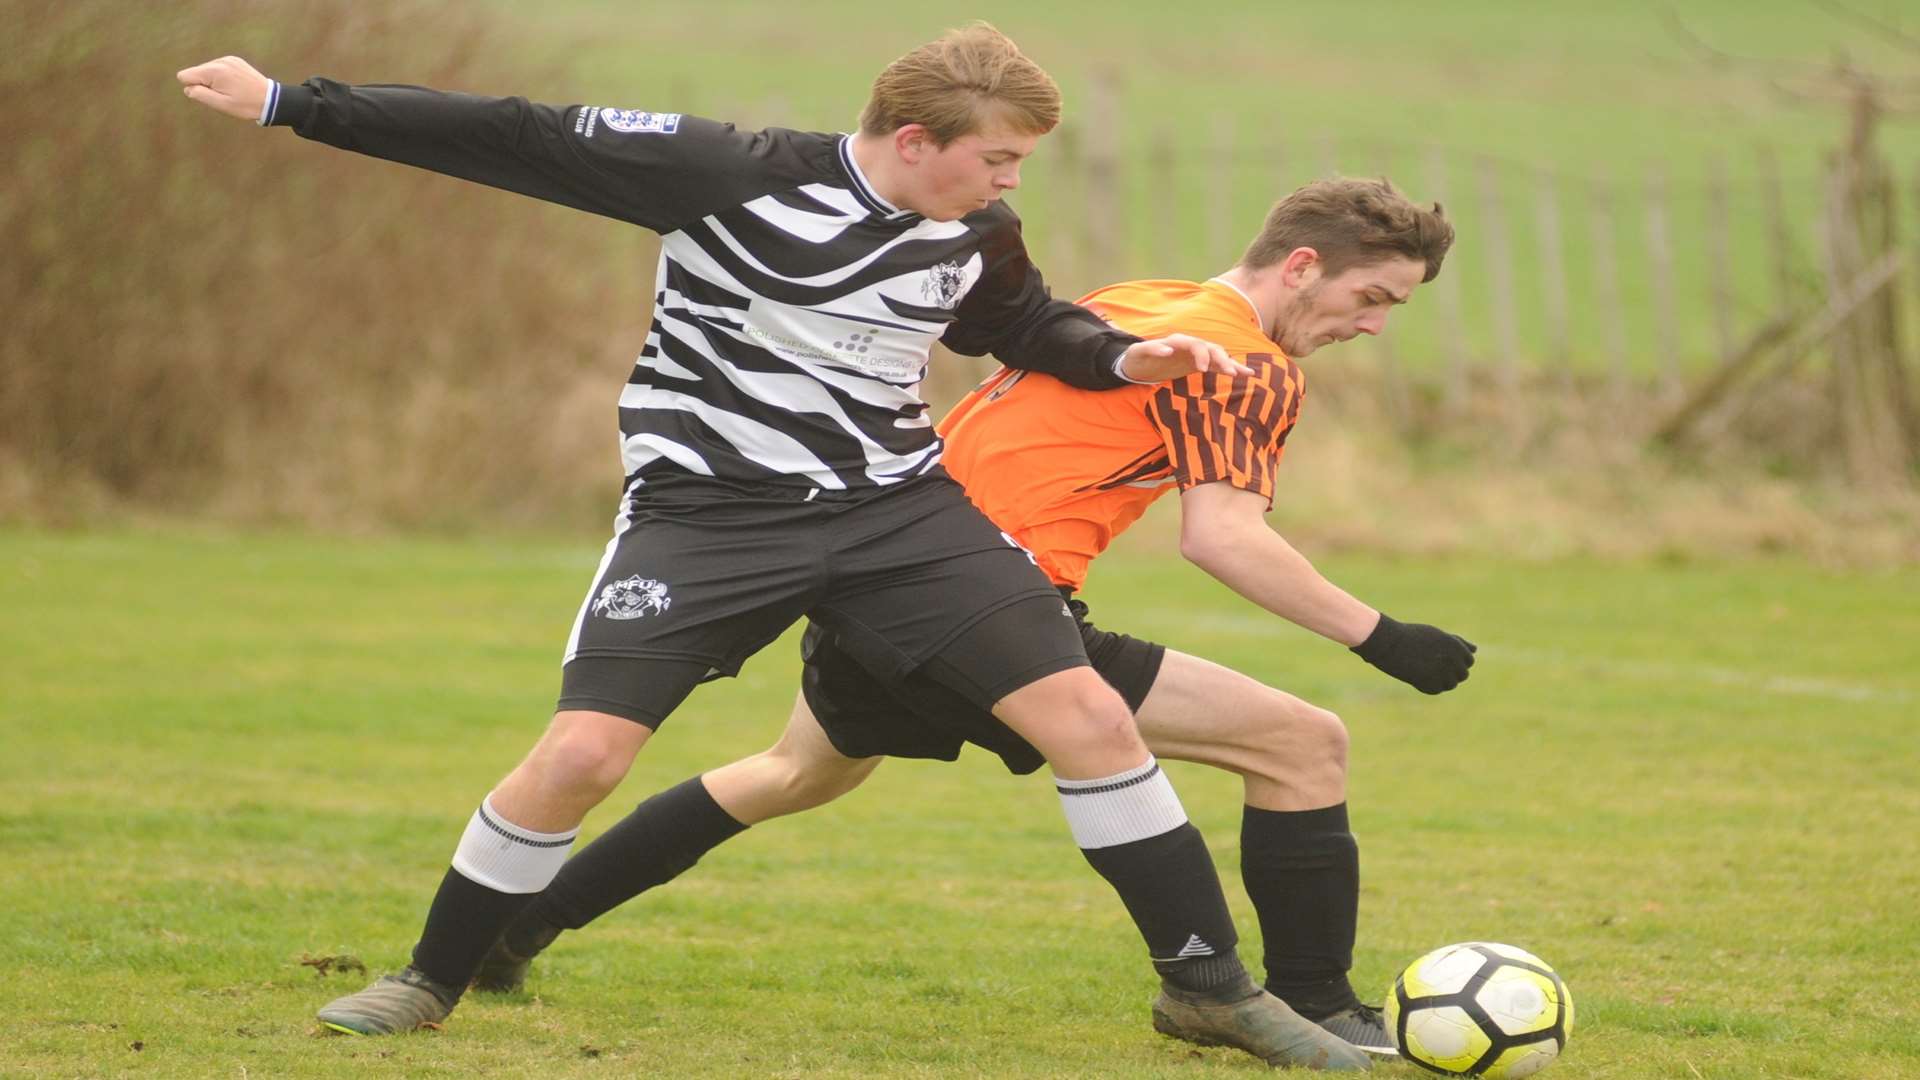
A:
[950, 84]
[1351, 223]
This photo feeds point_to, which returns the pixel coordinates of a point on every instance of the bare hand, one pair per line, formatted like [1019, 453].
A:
[1175, 355]
[229, 85]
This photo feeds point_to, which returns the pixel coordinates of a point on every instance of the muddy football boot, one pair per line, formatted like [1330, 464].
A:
[1364, 1027]
[400, 1002]
[1263, 1026]
[504, 970]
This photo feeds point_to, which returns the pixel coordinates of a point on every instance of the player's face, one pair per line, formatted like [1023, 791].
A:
[1354, 302]
[968, 173]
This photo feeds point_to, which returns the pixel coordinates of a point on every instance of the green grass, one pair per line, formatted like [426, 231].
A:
[1687, 786]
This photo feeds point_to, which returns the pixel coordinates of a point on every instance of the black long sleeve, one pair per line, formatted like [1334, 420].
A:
[659, 170]
[1011, 314]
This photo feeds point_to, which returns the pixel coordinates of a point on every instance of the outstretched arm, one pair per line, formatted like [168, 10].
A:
[1223, 531]
[654, 170]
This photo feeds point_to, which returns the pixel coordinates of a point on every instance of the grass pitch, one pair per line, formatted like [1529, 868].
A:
[235, 766]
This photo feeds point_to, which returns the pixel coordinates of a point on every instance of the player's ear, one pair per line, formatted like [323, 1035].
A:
[913, 142]
[1300, 268]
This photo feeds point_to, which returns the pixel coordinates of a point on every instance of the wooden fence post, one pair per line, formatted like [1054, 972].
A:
[1221, 168]
[1553, 276]
[1606, 271]
[1779, 238]
[1499, 249]
[1660, 263]
[1163, 225]
[1720, 257]
[1448, 286]
[1103, 223]
[1069, 212]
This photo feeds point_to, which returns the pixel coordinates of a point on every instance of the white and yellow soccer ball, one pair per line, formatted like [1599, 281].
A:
[1480, 1009]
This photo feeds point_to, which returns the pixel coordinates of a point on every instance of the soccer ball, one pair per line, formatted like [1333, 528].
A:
[1480, 1009]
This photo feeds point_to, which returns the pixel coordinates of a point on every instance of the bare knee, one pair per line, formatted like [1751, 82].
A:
[1327, 738]
[1306, 766]
[588, 760]
[1077, 721]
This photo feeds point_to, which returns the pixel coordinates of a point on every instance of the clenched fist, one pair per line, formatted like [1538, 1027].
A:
[229, 85]
[1424, 657]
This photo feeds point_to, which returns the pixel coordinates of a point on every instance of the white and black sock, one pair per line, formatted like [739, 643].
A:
[497, 870]
[1134, 832]
[660, 840]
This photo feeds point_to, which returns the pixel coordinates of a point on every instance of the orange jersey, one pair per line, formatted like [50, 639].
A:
[1064, 470]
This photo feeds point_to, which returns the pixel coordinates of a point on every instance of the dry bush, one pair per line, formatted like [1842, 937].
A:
[209, 318]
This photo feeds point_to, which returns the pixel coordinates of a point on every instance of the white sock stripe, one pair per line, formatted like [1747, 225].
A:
[507, 858]
[1121, 809]
[519, 835]
[1112, 783]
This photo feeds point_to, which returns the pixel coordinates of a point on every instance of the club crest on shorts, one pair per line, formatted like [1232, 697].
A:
[943, 283]
[630, 598]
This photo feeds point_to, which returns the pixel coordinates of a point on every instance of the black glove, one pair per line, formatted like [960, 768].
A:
[1424, 657]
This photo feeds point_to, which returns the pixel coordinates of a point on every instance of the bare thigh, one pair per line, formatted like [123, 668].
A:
[799, 772]
[1292, 754]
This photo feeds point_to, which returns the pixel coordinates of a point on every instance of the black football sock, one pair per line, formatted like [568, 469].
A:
[659, 841]
[463, 923]
[1131, 827]
[1171, 889]
[498, 868]
[1302, 872]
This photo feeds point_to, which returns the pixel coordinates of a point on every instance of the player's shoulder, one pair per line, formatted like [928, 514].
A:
[996, 219]
[802, 154]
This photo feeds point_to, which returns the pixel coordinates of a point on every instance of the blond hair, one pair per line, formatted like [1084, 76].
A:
[955, 85]
[1351, 223]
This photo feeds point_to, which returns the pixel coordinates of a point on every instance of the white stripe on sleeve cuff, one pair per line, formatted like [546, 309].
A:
[271, 105]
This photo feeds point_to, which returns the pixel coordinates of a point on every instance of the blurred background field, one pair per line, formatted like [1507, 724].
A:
[211, 320]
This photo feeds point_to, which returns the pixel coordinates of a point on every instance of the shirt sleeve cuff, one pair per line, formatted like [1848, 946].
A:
[269, 106]
[1121, 374]
[286, 106]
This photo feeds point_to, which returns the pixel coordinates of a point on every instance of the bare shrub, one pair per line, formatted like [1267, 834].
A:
[206, 317]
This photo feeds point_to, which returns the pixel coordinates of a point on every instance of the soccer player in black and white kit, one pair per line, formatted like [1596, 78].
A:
[780, 464]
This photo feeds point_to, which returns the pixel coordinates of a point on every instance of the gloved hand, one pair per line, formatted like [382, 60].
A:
[1424, 657]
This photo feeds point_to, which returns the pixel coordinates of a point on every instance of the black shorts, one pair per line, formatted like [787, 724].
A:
[698, 577]
[917, 716]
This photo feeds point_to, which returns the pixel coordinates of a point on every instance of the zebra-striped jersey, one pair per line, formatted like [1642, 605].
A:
[796, 309]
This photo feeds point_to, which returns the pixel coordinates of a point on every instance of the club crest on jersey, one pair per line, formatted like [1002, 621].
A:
[944, 283]
[630, 598]
[640, 120]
